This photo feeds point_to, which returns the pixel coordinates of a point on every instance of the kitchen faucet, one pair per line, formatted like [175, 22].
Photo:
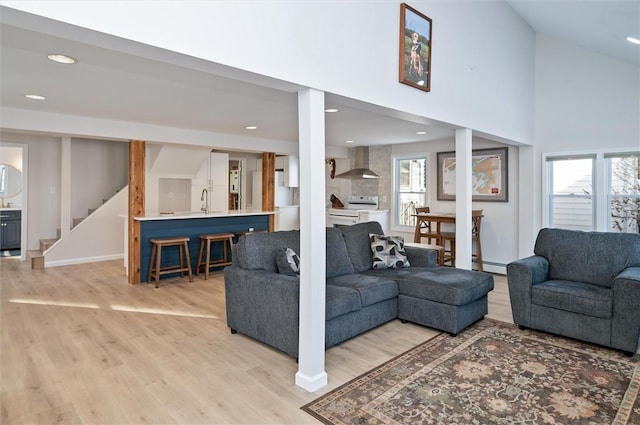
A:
[204, 197]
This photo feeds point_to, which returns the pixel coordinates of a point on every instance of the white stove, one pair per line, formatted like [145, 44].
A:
[358, 209]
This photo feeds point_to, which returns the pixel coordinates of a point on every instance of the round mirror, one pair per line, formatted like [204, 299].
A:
[10, 181]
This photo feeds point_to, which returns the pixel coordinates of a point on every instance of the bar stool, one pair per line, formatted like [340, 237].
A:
[156, 254]
[227, 241]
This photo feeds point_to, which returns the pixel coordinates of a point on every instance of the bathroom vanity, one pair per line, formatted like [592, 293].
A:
[10, 229]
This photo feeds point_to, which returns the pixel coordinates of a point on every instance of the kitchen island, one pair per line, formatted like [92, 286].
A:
[191, 225]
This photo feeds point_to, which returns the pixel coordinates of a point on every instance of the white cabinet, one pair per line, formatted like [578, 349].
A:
[287, 217]
[291, 172]
[289, 164]
[381, 216]
[218, 181]
[256, 191]
[279, 164]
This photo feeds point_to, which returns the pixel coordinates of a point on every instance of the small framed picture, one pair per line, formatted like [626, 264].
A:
[415, 48]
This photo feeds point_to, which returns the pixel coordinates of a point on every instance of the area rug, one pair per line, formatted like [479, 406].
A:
[492, 373]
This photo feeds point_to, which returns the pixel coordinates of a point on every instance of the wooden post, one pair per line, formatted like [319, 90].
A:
[136, 205]
[268, 185]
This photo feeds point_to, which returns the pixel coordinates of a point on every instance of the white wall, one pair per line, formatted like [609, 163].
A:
[12, 155]
[583, 102]
[99, 169]
[99, 237]
[499, 232]
[43, 215]
[482, 60]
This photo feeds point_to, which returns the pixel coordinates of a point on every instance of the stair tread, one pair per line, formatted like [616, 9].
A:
[35, 253]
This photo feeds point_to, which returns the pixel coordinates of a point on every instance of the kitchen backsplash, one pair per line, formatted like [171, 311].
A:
[379, 163]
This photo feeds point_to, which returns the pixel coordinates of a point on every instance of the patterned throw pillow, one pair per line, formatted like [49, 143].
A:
[287, 261]
[388, 252]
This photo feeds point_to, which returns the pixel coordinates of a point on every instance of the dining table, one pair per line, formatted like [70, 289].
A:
[433, 217]
[435, 220]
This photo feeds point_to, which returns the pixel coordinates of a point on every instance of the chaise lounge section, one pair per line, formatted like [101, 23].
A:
[262, 291]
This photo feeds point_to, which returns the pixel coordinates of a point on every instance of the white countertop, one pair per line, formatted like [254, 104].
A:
[11, 209]
[182, 215]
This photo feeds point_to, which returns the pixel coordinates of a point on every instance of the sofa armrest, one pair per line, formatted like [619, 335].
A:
[264, 306]
[521, 276]
[625, 327]
[421, 257]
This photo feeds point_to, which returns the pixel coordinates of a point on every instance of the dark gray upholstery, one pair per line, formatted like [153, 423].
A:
[338, 262]
[371, 289]
[584, 285]
[356, 237]
[440, 284]
[264, 304]
[601, 257]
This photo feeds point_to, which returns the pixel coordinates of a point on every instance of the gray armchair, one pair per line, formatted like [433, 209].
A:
[583, 285]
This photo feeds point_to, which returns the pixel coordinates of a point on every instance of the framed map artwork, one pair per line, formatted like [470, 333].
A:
[489, 179]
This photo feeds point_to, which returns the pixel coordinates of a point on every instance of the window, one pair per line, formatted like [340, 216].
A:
[570, 192]
[410, 189]
[624, 192]
[598, 191]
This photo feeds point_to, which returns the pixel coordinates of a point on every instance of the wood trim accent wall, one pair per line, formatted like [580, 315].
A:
[268, 185]
[136, 206]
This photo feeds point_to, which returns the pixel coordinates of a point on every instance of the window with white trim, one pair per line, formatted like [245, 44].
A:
[623, 171]
[570, 192]
[599, 191]
[410, 189]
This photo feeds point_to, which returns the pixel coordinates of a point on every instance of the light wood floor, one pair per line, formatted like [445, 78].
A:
[80, 345]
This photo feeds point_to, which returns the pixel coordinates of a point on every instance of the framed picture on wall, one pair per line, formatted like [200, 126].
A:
[489, 179]
[415, 48]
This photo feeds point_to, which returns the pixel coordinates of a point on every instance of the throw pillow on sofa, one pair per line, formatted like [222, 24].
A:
[287, 261]
[388, 252]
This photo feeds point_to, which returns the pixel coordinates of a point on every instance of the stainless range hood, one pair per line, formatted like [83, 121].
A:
[361, 167]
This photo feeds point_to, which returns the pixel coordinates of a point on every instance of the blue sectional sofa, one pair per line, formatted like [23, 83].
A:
[262, 295]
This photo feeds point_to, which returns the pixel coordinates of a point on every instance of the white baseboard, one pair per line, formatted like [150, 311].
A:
[496, 268]
[311, 383]
[84, 260]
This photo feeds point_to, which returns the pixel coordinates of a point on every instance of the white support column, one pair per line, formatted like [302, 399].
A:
[311, 374]
[463, 198]
[65, 187]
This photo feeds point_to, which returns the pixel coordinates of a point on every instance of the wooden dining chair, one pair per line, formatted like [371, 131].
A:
[450, 253]
[423, 228]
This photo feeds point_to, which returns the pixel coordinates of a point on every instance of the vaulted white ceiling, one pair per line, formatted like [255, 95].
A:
[127, 87]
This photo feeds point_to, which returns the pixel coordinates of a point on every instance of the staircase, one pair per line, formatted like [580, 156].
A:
[36, 257]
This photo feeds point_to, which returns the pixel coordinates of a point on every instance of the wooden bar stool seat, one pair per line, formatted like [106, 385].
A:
[156, 258]
[207, 262]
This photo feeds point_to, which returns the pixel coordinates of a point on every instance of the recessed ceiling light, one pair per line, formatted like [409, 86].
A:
[633, 40]
[348, 142]
[331, 110]
[56, 57]
[421, 132]
[251, 127]
[34, 96]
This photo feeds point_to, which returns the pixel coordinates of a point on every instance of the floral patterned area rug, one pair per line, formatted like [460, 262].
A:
[492, 373]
